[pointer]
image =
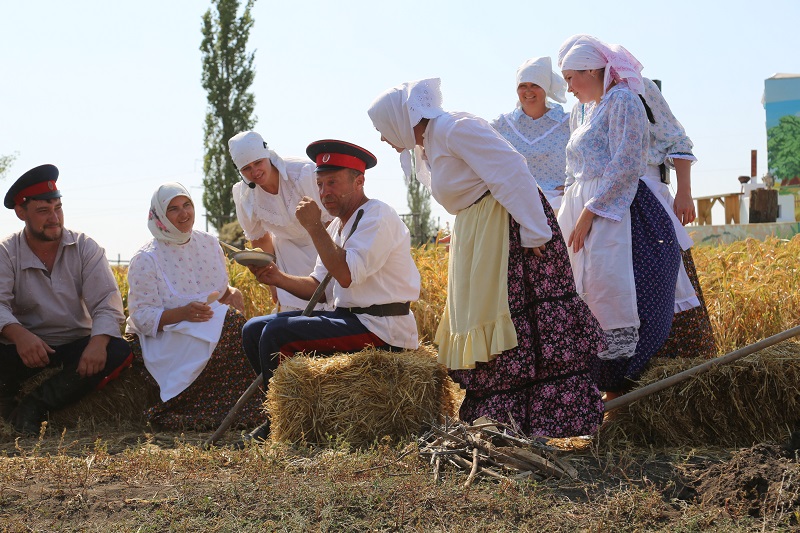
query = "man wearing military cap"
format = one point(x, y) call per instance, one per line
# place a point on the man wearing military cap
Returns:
point(59, 305)
point(366, 250)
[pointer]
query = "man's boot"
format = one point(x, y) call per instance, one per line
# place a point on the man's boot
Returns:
point(64, 388)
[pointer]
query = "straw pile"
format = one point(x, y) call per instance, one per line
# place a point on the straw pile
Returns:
point(121, 404)
point(754, 399)
point(359, 398)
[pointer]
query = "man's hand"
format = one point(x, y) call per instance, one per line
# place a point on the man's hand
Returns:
point(308, 212)
point(31, 349)
point(93, 358)
point(268, 275)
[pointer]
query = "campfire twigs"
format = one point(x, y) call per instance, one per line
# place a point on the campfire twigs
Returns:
point(490, 449)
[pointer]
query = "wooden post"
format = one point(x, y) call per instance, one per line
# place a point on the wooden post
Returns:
point(731, 203)
point(703, 211)
point(763, 205)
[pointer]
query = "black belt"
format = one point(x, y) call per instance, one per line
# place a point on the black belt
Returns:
point(392, 309)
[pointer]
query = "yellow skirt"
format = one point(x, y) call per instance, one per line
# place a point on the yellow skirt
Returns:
point(476, 324)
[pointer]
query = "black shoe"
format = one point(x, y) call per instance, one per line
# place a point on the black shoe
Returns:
point(28, 416)
point(257, 436)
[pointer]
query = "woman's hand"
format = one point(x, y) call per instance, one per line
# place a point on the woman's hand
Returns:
point(583, 226)
point(196, 312)
point(537, 251)
point(234, 298)
point(684, 207)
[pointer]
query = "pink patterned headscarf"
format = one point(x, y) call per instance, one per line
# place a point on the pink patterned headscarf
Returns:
point(584, 52)
point(158, 223)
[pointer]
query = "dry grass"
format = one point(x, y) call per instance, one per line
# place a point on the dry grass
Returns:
point(103, 474)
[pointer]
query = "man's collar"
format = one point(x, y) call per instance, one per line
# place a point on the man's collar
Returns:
point(28, 259)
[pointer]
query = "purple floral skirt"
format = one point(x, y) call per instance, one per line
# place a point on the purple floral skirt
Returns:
point(543, 385)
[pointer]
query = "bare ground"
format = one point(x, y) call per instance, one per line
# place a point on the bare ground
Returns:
point(85, 480)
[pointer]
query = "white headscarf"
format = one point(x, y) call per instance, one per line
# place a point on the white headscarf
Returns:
point(157, 221)
point(246, 147)
point(395, 113)
point(539, 71)
point(584, 52)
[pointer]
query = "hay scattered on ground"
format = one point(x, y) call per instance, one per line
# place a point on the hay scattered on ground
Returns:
point(754, 399)
point(359, 398)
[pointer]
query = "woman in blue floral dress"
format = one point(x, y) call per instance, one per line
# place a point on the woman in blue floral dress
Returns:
point(623, 247)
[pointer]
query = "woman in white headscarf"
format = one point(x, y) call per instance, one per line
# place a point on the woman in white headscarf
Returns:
point(514, 333)
point(186, 319)
point(266, 200)
point(538, 127)
point(623, 245)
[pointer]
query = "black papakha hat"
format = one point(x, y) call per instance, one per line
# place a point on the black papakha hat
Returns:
point(330, 154)
point(38, 183)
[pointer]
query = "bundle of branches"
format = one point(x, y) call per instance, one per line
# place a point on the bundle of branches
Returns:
point(360, 397)
point(754, 399)
point(491, 449)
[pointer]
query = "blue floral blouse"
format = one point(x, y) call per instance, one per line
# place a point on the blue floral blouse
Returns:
point(609, 142)
point(542, 141)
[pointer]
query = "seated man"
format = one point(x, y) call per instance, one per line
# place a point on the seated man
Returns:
point(59, 305)
point(367, 251)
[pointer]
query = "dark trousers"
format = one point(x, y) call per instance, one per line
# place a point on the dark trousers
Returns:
point(266, 338)
point(13, 371)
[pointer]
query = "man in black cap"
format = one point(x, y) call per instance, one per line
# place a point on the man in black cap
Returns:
point(59, 305)
point(365, 252)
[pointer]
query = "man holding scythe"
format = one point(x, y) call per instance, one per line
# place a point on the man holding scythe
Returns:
point(366, 250)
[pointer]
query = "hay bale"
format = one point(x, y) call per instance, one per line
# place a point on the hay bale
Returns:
point(121, 404)
point(359, 397)
point(754, 399)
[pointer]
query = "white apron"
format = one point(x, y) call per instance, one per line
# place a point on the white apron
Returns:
point(177, 355)
point(603, 268)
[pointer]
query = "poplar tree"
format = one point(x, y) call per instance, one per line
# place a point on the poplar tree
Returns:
point(418, 198)
point(5, 163)
point(227, 76)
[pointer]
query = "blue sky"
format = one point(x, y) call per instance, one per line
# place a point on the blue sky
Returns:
point(110, 92)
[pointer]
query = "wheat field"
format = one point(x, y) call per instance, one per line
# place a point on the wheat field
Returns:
point(750, 288)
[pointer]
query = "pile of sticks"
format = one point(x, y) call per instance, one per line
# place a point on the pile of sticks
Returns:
point(491, 449)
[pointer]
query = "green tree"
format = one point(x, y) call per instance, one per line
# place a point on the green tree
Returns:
point(227, 76)
point(783, 148)
point(419, 222)
point(5, 163)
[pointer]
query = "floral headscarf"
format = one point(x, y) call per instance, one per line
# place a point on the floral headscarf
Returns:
point(157, 221)
point(584, 52)
point(395, 113)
